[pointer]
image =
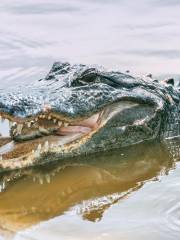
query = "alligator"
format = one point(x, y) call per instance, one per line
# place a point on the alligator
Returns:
point(79, 110)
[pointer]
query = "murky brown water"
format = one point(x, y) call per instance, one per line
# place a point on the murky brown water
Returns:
point(127, 194)
point(132, 194)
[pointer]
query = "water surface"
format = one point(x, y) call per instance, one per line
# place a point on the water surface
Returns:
point(128, 194)
point(142, 36)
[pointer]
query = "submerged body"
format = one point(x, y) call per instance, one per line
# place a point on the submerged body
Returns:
point(79, 110)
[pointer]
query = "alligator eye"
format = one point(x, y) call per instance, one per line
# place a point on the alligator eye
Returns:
point(89, 76)
point(169, 81)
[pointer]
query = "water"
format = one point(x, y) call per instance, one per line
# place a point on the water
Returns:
point(131, 194)
point(141, 36)
point(128, 194)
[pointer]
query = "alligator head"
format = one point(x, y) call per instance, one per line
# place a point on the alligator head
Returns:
point(79, 110)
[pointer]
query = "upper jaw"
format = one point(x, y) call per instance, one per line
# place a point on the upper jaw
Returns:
point(77, 133)
point(47, 124)
point(75, 91)
point(69, 104)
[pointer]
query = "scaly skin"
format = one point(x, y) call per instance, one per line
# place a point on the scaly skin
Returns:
point(78, 110)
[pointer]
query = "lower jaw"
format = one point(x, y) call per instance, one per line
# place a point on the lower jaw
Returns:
point(23, 154)
point(31, 153)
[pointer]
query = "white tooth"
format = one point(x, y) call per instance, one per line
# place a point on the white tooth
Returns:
point(39, 147)
point(54, 120)
point(10, 124)
point(59, 123)
point(66, 124)
point(14, 124)
point(29, 124)
point(46, 146)
point(19, 128)
point(37, 154)
point(38, 151)
point(14, 131)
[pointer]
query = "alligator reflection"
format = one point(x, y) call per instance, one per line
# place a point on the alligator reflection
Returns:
point(92, 184)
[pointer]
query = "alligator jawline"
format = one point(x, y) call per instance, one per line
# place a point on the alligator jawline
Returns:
point(53, 133)
point(64, 137)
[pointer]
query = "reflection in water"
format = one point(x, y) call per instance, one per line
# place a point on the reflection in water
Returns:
point(142, 36)
point(96, 182)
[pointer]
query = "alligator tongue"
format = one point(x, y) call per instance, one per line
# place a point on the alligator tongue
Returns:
point(90, 122)
point(84, 126)
point(73, 129)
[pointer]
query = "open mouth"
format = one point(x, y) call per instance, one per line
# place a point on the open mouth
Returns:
point(28, 139)
point(22, 141)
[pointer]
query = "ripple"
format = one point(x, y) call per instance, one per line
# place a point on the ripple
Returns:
point(173, 217)
point(39, 7)
point(22, 59)
point(163, 53)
